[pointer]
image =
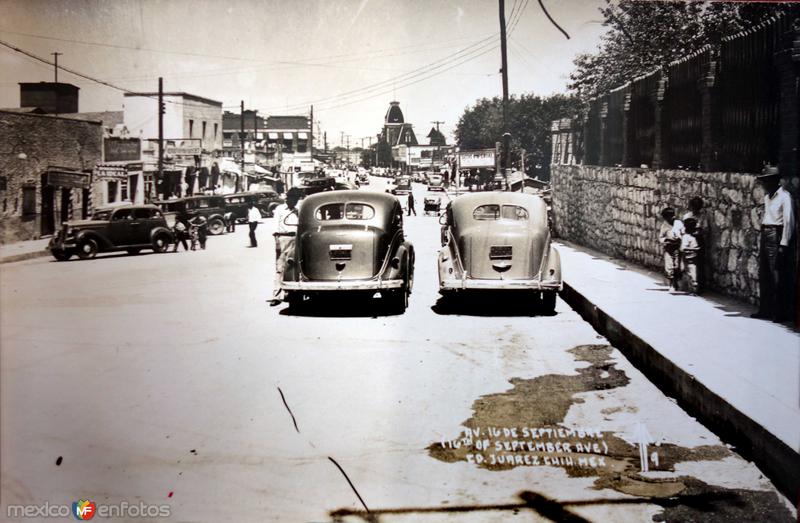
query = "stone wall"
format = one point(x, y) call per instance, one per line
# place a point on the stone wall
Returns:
point(617, 211)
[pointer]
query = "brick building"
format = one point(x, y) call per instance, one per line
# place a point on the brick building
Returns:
point(45, 172)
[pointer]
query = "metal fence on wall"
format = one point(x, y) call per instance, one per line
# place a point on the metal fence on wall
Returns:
point(717, 109)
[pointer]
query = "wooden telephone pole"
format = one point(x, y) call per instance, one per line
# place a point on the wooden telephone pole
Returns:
point(504, 64)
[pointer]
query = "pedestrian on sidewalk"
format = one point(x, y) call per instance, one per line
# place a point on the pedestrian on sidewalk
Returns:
point(230, 221)
point(690, 253)
point(411, 204)
point(670, 237)
point(777, 228)
point(285, 236)
point(702, 235)
point(253, 216)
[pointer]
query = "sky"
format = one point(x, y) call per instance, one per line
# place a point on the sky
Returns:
point(349, 58)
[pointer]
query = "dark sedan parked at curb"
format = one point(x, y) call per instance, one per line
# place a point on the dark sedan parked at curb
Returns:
point(353, 242)
point(210, 207)
point(239, 203)
point(127, 228)
point(500, 241)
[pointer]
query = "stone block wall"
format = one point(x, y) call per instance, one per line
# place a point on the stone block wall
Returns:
point(616, 210)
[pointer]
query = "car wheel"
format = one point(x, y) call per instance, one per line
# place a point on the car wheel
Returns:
point(134, 252)
point(397, 300)
point(548, 302)
point(87, 249)
point(216, 227)
point(61, 255)
point(161, 242)
point(295, 300)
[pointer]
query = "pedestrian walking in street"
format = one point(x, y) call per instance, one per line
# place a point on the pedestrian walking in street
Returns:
point(702, 235)
point(670, 237)
point(411, 204)
point(198, 223)
point(285, 235)
point(180, 233)
point(230, 221)
point(690, 253)
point(253, 216)
point(777, 228)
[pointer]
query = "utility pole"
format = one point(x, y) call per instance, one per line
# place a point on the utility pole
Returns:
point(160, 172)
point(437, 122)
point(311, 136)
point(348, 150)
point(241, 139)
point(504, 65)
point(325, 140)
point(56, 55)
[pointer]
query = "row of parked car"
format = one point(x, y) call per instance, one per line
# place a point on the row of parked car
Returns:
point(133, 228)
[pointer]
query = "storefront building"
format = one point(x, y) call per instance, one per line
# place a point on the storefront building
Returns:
point(46, 164)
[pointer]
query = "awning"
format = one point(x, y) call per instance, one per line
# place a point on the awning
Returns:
point(302, 136)
point(226, 165)
point(273, 136)
point(287, 136)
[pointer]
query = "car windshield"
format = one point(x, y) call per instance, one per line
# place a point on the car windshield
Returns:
point(101, 215)
point(497, 212)
point(349, 211)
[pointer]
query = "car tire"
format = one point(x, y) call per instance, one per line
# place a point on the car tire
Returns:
point(216, 227)
point(549, 302)
point(295, 300)
point(134, 252)
point(87, 249)
point(397, 300)
point(161, 242)
point(61, 255)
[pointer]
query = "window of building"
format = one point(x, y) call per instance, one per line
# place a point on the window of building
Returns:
point(203, 136)
point(191, 128)
point(216, 129)
point(28, 201)
point(123, 190)
point(112, 191)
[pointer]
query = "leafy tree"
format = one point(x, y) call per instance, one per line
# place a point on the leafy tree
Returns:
point(529, 120)
point(384, 153)
point(642, 36)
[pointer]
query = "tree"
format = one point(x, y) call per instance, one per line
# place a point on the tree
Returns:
point(643, 36)
point(384, 153)
point(529, 120)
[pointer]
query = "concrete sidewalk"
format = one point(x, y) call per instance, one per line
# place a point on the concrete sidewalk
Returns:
point(18, 251)
point(739, 375)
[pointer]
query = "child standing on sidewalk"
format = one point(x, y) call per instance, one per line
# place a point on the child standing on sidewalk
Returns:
point(690, 253)
point(670, 237)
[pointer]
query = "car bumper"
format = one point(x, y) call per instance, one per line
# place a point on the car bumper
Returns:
point(475, 284)
point(57, 244)
point(348, 285)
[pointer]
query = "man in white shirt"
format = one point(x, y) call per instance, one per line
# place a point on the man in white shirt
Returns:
point(285, 233)
point(253, 216)
point(777, 228)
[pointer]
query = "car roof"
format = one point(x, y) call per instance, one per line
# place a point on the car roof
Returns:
point(124, 205)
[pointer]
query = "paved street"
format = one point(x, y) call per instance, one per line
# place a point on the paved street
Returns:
point(167, 378)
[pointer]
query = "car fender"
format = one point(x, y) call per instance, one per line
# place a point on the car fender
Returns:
point(553, 262)
point(158, 230)
point(102, 241)
point(404, 252)
point(449, 261)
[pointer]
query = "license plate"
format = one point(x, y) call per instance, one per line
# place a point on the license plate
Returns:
point(500, 252)
point(341, 251)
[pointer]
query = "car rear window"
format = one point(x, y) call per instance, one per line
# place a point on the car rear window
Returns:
point(350, 211)
point(497, 212)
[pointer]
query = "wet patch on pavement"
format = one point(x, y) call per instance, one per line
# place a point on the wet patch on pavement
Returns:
point(523, 426)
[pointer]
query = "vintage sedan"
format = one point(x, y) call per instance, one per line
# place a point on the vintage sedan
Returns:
point(210, 207)
point(499, 240)
point(117, 228)
point(239, 203)
point(350, 241)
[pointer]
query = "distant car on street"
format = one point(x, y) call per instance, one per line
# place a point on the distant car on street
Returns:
point(350, 242)
point(120, 228)
point(363, 178)
point(402, 186)
point(501, 241)
point(239, 203)
point(210, 207)
point(436, 182)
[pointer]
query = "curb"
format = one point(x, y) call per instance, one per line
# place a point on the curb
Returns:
point(24, 256)
point(780, 463)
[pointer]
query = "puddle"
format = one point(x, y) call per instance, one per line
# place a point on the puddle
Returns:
point(523, 427)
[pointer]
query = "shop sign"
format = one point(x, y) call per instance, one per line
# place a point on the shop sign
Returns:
point(479, 158)
point(134, 167)
point(122, 149)
point(64, 179)
point(110, 172)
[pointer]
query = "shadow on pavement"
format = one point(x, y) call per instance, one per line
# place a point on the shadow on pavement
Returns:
point(339, 306)
point(491, 303)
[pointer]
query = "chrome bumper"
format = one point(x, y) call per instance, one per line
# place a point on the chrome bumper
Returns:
point(347, 285)
point(470, 283)
point(59, 244)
